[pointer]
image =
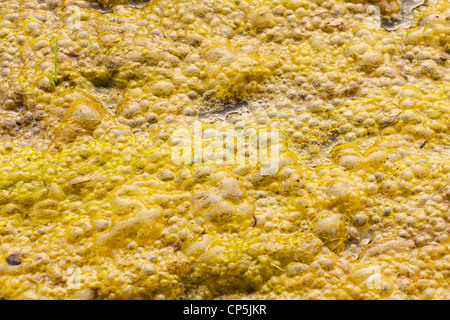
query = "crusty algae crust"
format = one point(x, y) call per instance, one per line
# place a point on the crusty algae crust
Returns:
point(96, 208)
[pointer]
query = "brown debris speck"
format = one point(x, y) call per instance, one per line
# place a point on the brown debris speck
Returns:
point(13, 260)
point(423, 143)
point(254, 220)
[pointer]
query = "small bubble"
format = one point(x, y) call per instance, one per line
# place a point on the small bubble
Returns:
point(219, 123)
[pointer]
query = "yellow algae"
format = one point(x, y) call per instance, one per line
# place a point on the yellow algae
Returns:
point(313, 150)
point(142, 228)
